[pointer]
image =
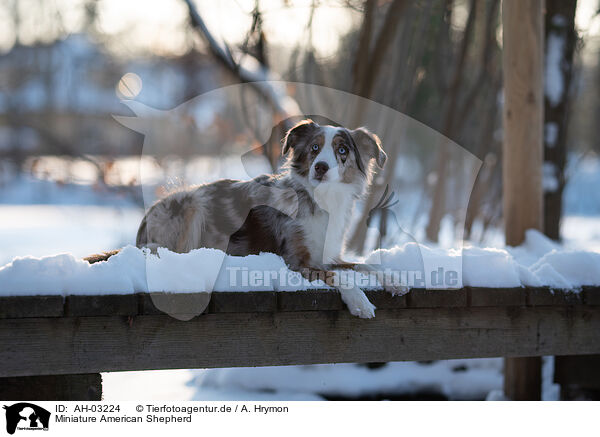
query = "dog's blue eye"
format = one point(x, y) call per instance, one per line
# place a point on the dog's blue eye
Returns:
point(315, 147)
point(342, 150)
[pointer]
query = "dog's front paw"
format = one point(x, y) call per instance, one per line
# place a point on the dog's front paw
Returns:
point(396, 290)
point(358, 303)
point(392, 287)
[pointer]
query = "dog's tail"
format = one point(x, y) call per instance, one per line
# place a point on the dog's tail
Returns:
point(104, 256)
point(141, 240)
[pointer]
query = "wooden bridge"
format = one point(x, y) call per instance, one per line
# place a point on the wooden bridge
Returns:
point(79, 336)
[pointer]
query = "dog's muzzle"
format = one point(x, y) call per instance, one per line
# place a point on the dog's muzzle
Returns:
point(321, 169)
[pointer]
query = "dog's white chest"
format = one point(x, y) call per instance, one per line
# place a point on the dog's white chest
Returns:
point(325, 230)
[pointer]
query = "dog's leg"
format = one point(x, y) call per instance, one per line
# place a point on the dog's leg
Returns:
point(355, 299)
point(388, 284)
point(298, 259)
point(185, 242)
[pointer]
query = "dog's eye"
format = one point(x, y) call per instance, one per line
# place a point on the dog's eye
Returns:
point(315, 147)
point(342, 150)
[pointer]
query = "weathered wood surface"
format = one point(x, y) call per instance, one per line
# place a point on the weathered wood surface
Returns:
point(86, 387)
point(522, 153)
point(92, 334)
point(16, 307)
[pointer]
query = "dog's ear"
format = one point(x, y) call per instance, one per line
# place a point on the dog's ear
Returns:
point(295, 134)
point(370, 143)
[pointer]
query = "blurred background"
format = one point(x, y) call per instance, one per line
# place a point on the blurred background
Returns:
point(71, 175)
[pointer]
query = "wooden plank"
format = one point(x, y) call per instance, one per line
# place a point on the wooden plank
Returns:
point(31, 306)
point(102, 305)
point(310, 300)
point(422, 298)
point(591, 295)
point(82, 387)
point(250, 302)
point(182, 306)
point(66, 345)
point(497, 297)
point(385, 300)
point(547, 297)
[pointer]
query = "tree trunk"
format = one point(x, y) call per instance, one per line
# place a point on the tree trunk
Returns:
point(449, 129)
point(522, 154)
point(561, 38)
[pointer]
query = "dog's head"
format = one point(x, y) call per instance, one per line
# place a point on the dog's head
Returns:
point(332, 154)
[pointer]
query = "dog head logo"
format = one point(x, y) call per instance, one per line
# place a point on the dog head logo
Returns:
point(26, 416)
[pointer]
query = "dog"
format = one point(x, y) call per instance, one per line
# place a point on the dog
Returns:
point(300, 213)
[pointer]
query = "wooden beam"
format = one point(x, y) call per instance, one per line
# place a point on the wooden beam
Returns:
point(67, 345)
point(86, 387)
point(578, 376)
point(522, 61)
point(143, 304)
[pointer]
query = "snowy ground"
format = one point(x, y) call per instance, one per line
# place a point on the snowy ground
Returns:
point(45, 219)
point(81, 230)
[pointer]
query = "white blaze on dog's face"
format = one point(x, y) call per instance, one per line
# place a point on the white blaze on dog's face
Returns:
point(332, 154)
point(325, 166)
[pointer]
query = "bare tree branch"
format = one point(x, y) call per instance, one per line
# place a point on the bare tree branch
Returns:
point(364, 43)
point(486, 57)
point(259, 77)
point(385, 38)
point(438, 204)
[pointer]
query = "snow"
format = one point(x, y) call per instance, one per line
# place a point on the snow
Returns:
point(38, 230)
point(66, 274)
point(538, 262)
point(559, 20)
point(27, 190)
point(157, 385)
point(581, 195)
point(568, 269)
point(135, 270)
point(549, 177)
point(455, 379)
point(461, 379)
point(551, 133)
point(489, 267)
point(553, 80)
point(581, 232)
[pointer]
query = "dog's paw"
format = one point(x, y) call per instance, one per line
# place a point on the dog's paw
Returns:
point(396, 290)
point(391, 286)
point(358, 304)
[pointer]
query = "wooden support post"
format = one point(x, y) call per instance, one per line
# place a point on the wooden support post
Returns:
point(83, 387)
point(522, 63)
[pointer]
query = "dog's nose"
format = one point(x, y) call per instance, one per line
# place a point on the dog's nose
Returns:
point(321, 168)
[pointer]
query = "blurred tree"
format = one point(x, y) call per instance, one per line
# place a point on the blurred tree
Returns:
point(255, 72)
point(561, 40)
